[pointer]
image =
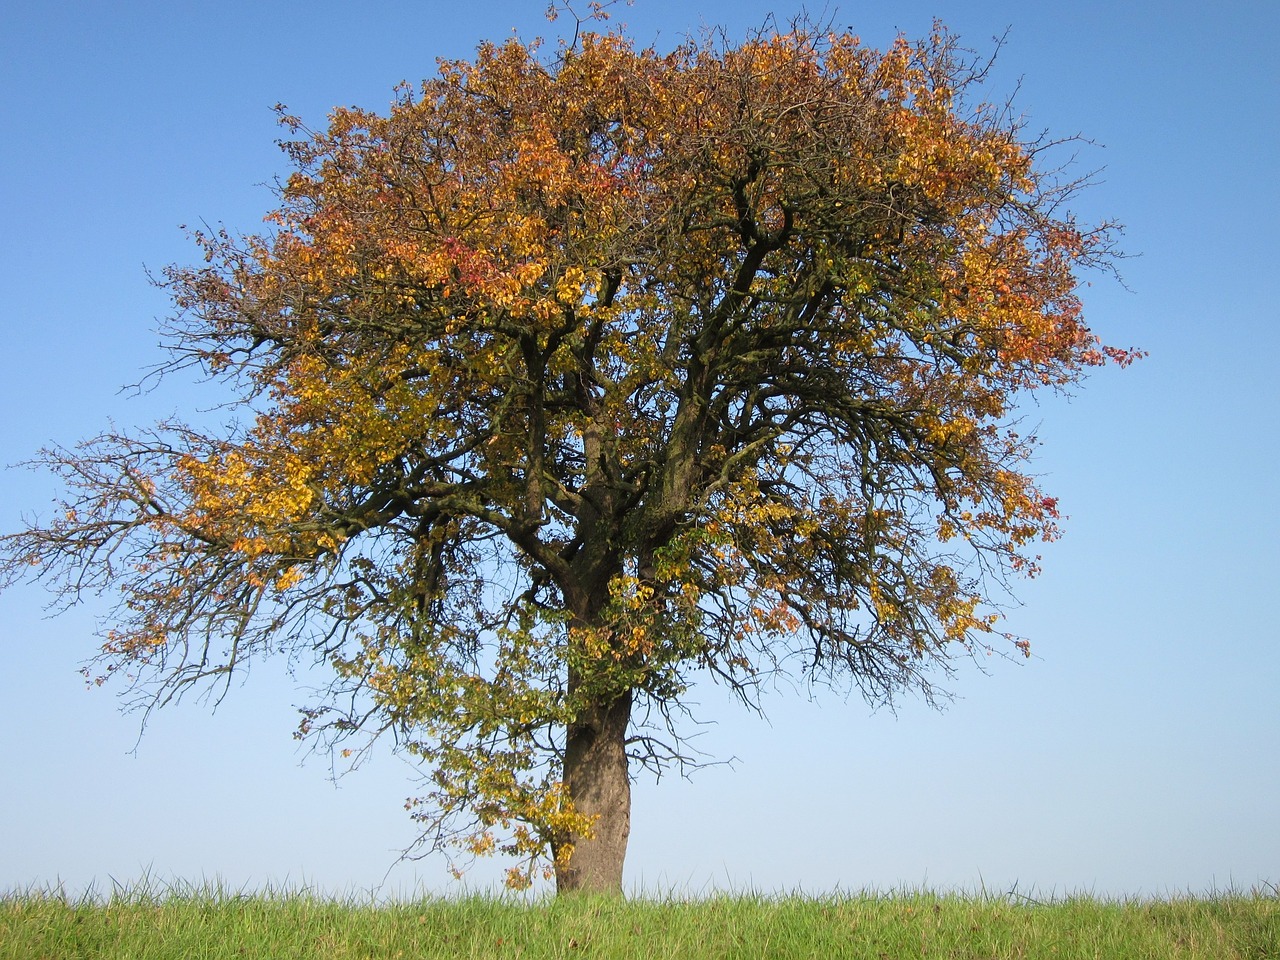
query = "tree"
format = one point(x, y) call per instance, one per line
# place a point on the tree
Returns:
point(575, 378)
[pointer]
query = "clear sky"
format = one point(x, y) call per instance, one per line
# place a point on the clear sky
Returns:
point(1135, 753)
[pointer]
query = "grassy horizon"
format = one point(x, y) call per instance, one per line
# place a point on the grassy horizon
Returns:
point(182, 921)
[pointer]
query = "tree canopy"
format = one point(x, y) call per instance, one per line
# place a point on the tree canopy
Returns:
point(577, 377)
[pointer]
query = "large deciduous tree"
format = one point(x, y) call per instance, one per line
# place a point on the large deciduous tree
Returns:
point(576, 377)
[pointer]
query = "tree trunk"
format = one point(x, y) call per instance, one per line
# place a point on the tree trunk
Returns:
point(595, 772)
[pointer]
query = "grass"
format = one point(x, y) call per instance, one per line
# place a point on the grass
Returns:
point(210, 924)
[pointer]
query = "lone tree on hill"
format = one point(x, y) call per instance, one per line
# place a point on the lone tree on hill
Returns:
point(576, 377)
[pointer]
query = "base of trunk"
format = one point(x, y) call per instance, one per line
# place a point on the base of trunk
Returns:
point(595, 772)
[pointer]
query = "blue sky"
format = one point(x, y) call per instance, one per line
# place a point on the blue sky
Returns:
point(1134, 754)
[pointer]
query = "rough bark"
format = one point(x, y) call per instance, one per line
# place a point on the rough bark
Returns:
point(595, 770)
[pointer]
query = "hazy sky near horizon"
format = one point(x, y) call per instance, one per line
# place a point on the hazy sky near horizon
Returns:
point(1135, 753)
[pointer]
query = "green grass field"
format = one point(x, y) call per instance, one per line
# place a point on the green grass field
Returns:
point(206, 924)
